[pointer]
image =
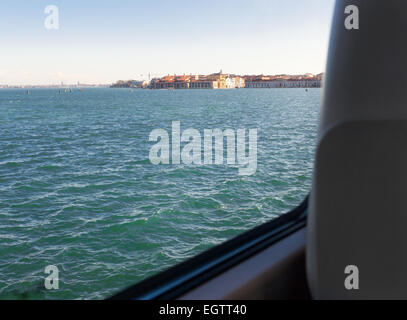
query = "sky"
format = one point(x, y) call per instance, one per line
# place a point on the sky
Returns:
point(102, 41)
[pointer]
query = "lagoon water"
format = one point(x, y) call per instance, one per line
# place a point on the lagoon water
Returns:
point(77, 189)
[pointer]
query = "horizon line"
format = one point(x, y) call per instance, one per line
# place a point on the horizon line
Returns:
point(79, 83)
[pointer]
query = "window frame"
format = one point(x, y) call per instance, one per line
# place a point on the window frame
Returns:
point(179, 279)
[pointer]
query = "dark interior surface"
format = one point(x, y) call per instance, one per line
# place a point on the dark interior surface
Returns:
point(277, 272)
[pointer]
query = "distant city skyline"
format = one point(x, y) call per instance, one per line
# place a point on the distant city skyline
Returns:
point(100, 42)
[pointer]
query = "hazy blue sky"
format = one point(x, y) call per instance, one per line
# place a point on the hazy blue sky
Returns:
point(103, 41)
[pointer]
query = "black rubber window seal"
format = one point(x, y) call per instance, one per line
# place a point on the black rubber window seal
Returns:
point(186, 275)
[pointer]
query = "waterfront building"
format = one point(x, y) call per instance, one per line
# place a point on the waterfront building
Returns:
point(213, 81)
point(221, 80)
point(284, 81)
point(204, 84)
point(171, 82)
point(234, 82)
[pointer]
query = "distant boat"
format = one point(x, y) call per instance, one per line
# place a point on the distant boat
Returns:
point(28, 92)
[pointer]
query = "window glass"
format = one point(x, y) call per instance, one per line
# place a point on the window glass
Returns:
point(135, 135)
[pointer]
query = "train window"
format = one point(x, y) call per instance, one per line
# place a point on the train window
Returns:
point(136, 135)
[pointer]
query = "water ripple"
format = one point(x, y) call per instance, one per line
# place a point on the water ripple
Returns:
point(77, 189)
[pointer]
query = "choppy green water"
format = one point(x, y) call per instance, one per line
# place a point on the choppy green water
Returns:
point(77, 189)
